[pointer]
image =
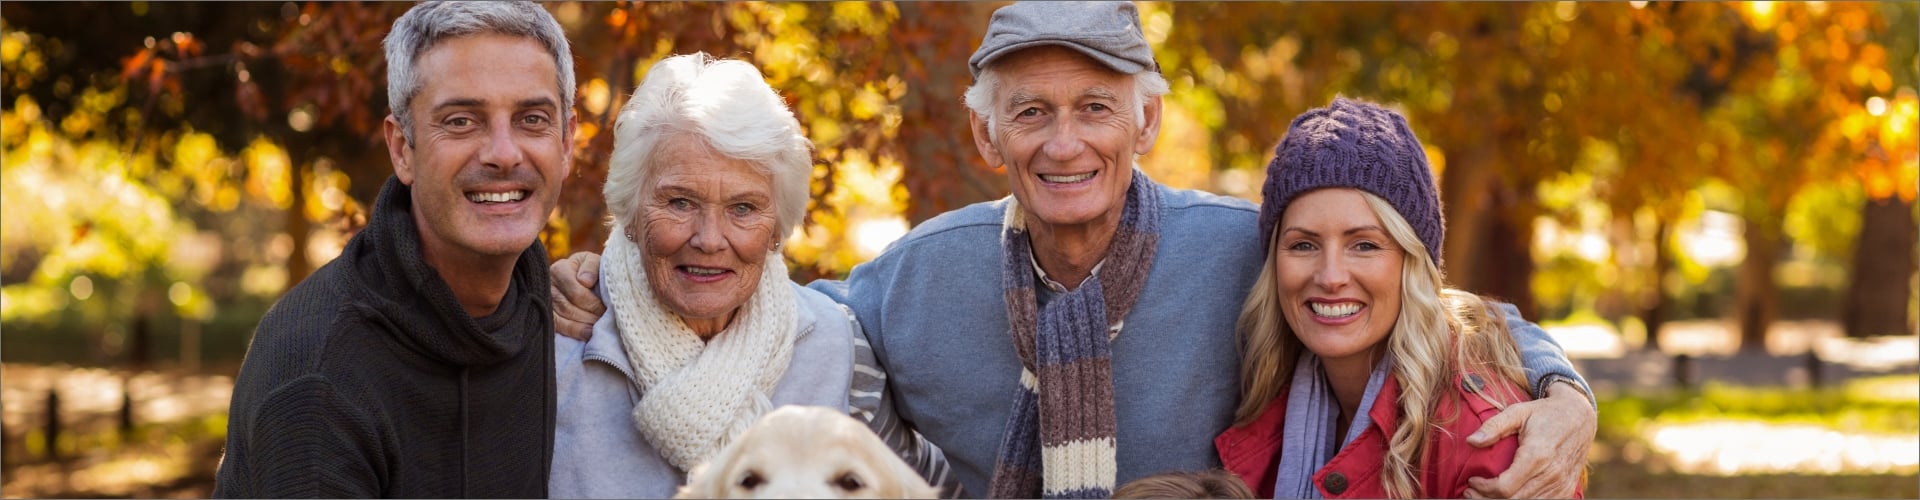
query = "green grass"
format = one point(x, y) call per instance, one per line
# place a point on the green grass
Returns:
point(1881, 405)
point(1619, 479)
point(1875, 406)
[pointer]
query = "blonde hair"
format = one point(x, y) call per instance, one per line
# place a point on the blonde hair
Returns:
point(1432, 318)
point(1214, 483)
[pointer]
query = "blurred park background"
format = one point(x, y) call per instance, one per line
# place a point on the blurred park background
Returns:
point(1710, 204)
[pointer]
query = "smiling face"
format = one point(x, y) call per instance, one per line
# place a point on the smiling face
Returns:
point(1064, 126)
point(488, 152)
point(1338, 274)
point(706, 228)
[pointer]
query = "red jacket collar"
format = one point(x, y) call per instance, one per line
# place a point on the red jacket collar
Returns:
point(1252, 451)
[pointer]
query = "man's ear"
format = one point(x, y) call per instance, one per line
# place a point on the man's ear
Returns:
point(983, 138)
point(398, 149)
point(572, 131)
point(1150, 130)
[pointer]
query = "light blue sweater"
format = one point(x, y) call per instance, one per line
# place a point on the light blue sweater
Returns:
point(932, 305)
point(597, 451)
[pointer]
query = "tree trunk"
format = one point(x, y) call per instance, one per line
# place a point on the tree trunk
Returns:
point(942, 169)
point(298, 228)
point(1465, 201)
point(1655, 313)
point(1506, 255)
point(1883, 266)
point(1757, 297)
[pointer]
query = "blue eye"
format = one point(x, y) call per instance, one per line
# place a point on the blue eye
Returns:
point(680, 204)
point(742, 209)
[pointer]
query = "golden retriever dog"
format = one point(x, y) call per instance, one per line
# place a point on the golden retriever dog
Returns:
point(806, 452)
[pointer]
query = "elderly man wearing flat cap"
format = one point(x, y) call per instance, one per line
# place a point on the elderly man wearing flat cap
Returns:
point(1080, 333)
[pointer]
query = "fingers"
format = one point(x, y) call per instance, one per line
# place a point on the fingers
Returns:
point(575, 306)
point(589, 264)
point(1480, 487)
point(1554, 435)
point(1568, 422)
point(1504, 424)
point(578, 292)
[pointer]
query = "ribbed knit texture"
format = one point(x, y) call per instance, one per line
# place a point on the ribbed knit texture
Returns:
point(1360, 145)
point(1060, 436)
point(697, 395)
point(1310, 432)
point(368, 379)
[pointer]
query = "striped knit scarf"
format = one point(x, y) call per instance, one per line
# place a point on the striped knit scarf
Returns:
point(1060, 438)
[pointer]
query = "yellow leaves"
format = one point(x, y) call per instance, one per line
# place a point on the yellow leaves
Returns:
point(90, 219)
point(857, 219)
point(866, 103)
point(1566, 11)
point(1155, 22)
point(327, 194)
point(1442, 45)
point(860, 17)
point(583, 136)
point(12, 45)
point(1761, 15)
point(596, 96)
point(270, 173)
point(554, 235)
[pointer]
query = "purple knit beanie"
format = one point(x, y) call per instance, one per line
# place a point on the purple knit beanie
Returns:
point(1357, 145)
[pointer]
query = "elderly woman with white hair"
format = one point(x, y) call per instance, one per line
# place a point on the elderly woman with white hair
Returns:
point(704, 332)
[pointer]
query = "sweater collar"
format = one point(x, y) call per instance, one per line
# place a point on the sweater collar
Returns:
point(393, 278)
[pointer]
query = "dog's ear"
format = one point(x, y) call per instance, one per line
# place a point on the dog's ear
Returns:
point(708, 480)
point(699, 484)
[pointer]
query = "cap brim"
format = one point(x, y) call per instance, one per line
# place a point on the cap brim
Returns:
point(1115, 63)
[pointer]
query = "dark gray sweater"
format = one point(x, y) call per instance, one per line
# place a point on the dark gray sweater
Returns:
point(368, 379)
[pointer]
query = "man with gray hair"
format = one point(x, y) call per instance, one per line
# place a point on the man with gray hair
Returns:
point(1080, 333)
point(419, 363)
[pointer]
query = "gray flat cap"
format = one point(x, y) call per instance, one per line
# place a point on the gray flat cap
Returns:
point(1108, 32)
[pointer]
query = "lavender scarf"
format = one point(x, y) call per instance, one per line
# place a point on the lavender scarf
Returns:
point(1060, 439)
point(1308, 432)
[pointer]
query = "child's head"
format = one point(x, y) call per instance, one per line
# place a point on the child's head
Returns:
point(1209, 484)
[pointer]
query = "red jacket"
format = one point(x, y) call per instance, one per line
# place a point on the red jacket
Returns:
point(1253, 451)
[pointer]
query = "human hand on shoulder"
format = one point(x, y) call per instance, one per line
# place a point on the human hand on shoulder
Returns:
point(575, 306)
point(1554, 436)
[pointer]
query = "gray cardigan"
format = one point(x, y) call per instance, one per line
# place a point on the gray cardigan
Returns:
point(933, 306)
point(598, 453)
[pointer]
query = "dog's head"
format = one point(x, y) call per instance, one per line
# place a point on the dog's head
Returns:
point(805, 452)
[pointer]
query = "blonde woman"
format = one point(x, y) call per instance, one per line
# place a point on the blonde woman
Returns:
point(1362, 374)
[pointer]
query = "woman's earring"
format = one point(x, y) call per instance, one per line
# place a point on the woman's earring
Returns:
point(630, 236)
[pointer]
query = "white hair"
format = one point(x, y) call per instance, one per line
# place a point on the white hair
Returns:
point(724, 103)
point(979, 97)
point(429, 23)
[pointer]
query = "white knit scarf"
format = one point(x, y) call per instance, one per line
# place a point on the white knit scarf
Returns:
point(696, 396)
